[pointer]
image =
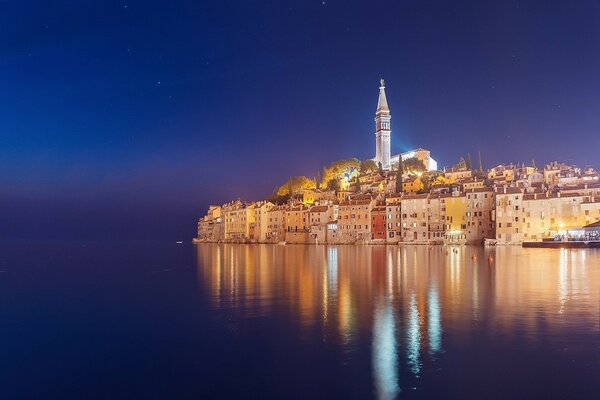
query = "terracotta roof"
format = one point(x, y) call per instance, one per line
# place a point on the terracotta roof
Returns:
point(593, 225)
point(415, 196)
point(355, 203)
point(479, 190)
point(316, 209)
point(362, 197)
point(509, 190)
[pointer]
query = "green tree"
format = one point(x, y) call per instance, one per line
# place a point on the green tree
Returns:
point(413, 165)
point(380, 168)
point(333, 184)
point(368, 166)
point(339, 169)
point(399, 173)
point(357, 185)
point(426, 180)
point(295, 184)
point(468, 162)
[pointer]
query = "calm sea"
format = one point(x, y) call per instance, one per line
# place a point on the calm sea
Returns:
point(161, 320)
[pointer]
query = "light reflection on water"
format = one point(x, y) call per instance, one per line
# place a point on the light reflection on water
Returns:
point(413, 306)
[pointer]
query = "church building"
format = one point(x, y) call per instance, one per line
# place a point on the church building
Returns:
point(383, 131)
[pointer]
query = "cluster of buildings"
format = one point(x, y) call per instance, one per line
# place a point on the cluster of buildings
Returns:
point(507, 204)
point(464, 211)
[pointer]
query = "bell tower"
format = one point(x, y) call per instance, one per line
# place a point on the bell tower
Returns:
point(382, 129)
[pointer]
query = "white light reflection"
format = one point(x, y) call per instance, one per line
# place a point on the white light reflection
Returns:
point(435, 323)
point(413, 336)
point(385, 357)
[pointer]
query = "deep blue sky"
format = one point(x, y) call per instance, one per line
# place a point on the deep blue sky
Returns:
point(127, 118)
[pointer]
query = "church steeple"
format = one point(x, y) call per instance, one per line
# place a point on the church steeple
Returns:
point(382, 104)
point(383, 129)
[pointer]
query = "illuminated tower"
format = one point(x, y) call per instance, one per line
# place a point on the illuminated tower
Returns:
point(382, 129)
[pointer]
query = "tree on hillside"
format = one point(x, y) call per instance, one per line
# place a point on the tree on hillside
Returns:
point(413, 165)
point(294, 185)
point(380, 168)
point(357, 185)
point(399, 173)
point(468, 162)
point(368, 166)
point(426, 180)
point(479, 161)
point(339, 169)
point(333, 184)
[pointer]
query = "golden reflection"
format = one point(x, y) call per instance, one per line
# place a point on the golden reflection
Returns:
point(406, 300)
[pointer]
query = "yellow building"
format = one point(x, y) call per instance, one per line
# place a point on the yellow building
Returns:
point(458, 175)
point(455, 208)
point(550, 214)
point(412, 184)
point(237, 220)
point(261, 218)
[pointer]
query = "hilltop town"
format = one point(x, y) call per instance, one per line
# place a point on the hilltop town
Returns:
point(404, 198)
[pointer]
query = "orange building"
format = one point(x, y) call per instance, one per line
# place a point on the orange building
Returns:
point(378, 220)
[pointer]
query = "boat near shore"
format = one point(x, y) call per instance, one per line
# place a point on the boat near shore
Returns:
point(564, 244)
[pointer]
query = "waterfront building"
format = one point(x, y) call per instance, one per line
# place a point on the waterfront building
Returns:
point(238, 219)
point(393, 204)
point(509, 204)
point(480, 207)
point(549, 214)
point(296, 224)
point(455, 206)
point(436, 218)
point(590, 208)
point(260, 225)
point(276, 227)
point(354, 220)
point(210, 227)
point(318, 217)
point(414, 218)
point(378, 223)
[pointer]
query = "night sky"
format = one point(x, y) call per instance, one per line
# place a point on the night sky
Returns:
point(126, 119)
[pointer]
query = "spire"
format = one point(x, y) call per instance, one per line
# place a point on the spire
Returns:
point(382, 104)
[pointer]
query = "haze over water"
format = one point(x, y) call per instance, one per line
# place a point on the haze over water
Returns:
point(149, 320)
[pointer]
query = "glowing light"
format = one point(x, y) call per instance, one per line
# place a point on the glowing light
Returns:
point(413, 336)
point(385, 357)
point(435, 321)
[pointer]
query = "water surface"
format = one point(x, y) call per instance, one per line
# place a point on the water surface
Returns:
point(160, 320)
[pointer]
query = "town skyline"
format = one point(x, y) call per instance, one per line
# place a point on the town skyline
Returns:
point(161, 111)
point(406, 199)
